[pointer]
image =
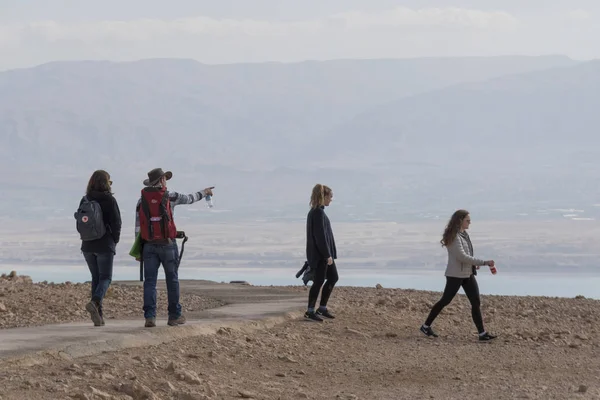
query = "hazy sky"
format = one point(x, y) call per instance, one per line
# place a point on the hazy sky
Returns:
point(223, 31)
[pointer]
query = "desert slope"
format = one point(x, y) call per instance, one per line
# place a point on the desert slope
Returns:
point(547, 349)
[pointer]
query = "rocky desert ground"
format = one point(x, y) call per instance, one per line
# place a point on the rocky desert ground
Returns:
point(548, 348)
point(23, 303)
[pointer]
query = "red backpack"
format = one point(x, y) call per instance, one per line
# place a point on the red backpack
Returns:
point(156, 218)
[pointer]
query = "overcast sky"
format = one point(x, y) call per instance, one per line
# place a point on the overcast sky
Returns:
point(224, 31)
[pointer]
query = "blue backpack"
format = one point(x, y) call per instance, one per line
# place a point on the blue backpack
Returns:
point(90, 222)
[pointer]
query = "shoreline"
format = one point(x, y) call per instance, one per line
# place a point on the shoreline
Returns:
point(549, 285)
point(525, 284)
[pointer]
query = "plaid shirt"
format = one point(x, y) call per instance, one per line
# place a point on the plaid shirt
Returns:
point(175, 199)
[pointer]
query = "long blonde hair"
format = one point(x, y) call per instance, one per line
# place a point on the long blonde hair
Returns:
point(319, 192)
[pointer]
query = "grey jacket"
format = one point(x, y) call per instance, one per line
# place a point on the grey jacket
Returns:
point(460, 259)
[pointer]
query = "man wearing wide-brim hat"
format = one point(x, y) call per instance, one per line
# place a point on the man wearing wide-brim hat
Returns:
point(156, 175)
point(163, 252)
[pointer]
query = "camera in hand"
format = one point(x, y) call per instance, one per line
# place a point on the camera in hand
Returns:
point(180, 235)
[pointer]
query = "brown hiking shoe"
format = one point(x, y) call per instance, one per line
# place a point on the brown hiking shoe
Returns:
point(150, 323)
point(92, 308)
point(176, 321)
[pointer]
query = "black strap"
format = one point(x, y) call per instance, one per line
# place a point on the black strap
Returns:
point(141, 270)
point(146, 211)
point(163, 204)
point(465, 235)
point(185, 239)
point(164, 214)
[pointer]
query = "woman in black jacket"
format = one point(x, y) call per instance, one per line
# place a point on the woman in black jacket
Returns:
point(320, 252)
point(99, 253)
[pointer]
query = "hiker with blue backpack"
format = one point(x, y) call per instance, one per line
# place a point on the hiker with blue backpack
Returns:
point(99, 225)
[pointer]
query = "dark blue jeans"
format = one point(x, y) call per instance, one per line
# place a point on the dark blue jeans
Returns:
point(101, 267)
point(154, 255)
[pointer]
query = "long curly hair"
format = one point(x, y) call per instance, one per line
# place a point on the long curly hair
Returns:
point(453, 227)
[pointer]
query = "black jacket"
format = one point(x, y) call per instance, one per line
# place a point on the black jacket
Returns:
point(320, 244)
point(112, 219)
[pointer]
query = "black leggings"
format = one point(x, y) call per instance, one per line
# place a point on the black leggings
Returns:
point(471, 290)
point(323, 272)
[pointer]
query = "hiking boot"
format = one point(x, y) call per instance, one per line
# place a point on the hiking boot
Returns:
point(312, 316)
point(325, 313)
point(428, 331)
point(150, 323)
point(486, 337)
point(92, 308)
point(101, 315)
point(176, 321)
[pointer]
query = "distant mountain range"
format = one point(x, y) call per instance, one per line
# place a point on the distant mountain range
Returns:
point(518, 115)
point(428, 131)
point(247, 115)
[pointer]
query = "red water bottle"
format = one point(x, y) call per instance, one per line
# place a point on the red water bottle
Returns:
point(493, 270)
